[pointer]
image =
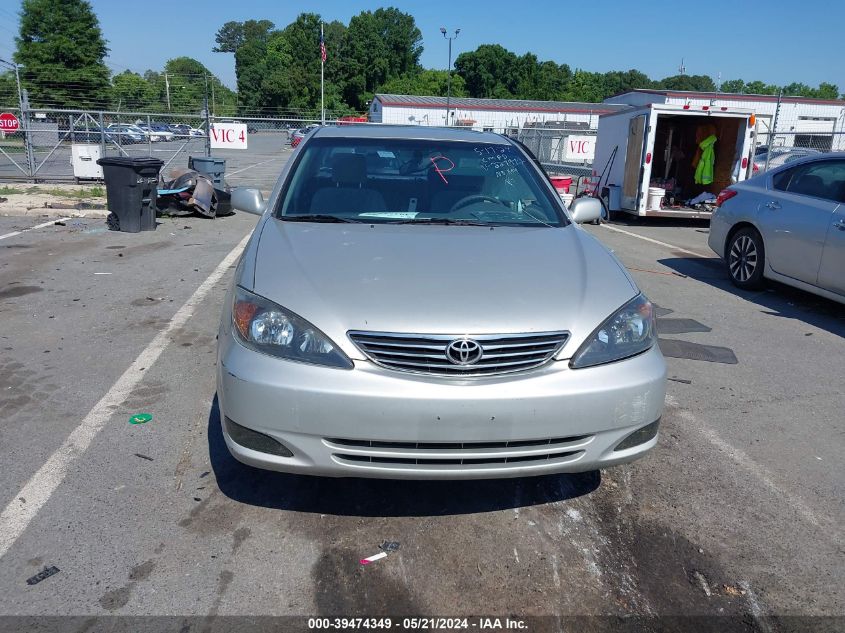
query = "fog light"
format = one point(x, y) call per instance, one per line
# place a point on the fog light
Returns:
point(640, 436)
point(255, 441)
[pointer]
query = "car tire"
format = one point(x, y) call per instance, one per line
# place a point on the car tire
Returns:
point(745, 257)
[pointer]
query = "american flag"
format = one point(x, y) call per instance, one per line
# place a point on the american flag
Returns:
point(322, 46)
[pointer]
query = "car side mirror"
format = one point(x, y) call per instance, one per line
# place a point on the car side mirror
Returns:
point(248, 200)
point(585, 210)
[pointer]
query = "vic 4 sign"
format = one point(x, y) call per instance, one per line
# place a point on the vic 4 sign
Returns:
point(9, 122)
point(228, 136)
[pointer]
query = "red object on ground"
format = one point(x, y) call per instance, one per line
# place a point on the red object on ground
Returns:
point(9, 122)
point(561, 183)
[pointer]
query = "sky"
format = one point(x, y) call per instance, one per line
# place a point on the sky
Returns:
point(720, 36)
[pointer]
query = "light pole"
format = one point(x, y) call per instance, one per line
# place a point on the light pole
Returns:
point(449, 71)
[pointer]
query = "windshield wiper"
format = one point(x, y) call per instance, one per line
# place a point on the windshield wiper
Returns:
point(318, 217)
point(449, 221)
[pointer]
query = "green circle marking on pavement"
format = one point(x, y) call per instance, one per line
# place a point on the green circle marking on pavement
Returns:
point(140, 418)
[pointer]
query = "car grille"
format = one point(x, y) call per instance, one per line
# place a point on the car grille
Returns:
point(455, 461)
point(458, 455)
point(426, 353)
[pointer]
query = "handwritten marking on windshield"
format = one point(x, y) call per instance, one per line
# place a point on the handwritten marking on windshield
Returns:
point(500, 160)
point(438, 169)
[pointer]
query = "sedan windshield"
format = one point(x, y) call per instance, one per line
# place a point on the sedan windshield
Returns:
point(418, 182)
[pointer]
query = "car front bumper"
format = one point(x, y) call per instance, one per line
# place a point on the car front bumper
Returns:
point(374, 422)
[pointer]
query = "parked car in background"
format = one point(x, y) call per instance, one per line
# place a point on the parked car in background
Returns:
point(126, 134)
point(88, 134)
point(195, 132)
point(155, 133)
point(436, 319)
point(788, 225)
point(298, 135)
point(180, 130)
point(251, 126)
point(149, 132)
point(778, 156)
point(163, 131)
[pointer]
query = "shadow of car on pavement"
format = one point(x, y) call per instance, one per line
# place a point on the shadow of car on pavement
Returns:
point(382, 497)
point(775, 299)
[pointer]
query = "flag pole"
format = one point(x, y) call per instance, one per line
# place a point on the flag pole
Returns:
point(322, 77)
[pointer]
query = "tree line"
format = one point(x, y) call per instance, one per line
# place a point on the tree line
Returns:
point(62, 51)
point(379, 51)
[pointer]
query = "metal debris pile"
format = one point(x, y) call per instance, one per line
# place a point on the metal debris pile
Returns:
point(188, 192)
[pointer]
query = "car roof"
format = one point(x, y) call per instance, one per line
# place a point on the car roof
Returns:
point(807, 158)
point(818, 156)
point(416, 132)
point(796, 150)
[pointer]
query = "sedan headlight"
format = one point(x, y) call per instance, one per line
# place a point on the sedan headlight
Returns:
point(628, 332)
point(265, 327)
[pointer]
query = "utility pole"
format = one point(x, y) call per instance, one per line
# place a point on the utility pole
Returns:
point(771, 140)
point(30, 152)
point(207, 121)
point(322, 76)
point(167, 89)
point(449, 71)
point(213, 103)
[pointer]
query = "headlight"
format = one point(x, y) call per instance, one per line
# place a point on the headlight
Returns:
point(265, 327)
point(628, 332)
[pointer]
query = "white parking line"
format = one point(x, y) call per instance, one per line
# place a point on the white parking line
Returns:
point(37, 491)
point(653, 241)
point(32, 228)
point(237, 171)
point(761, 473)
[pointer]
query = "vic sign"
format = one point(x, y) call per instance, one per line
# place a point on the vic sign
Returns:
point(228, 136)
point(9, 122)
point(579, 148)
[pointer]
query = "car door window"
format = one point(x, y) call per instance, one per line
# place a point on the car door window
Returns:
point(824, 179)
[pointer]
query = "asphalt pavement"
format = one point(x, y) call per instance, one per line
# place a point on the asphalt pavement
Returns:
point(736, 517)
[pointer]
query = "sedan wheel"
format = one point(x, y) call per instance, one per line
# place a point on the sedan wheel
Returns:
point(746, 256)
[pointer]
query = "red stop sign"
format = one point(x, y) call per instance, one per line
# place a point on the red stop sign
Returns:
point(9, 122)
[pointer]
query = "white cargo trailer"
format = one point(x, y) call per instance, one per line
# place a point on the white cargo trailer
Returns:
point(652, 172)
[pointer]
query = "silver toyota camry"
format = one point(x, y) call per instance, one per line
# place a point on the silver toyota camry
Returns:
point(418, 303)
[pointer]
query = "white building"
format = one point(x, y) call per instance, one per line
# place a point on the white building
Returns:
point(485, 114)
point(802, 122)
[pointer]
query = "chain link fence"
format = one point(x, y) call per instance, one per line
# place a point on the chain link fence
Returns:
point(786, 138)
point(64, 145)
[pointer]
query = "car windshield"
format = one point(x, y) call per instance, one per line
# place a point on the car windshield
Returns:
point(418, 181)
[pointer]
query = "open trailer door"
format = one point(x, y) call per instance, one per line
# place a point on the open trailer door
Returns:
point(634, 162)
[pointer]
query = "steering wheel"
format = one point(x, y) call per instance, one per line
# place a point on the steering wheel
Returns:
point(476, 197)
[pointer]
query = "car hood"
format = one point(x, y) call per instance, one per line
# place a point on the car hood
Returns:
point(439, 279)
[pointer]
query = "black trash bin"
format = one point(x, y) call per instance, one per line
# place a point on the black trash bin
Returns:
point(212, 167)
point(131, 189)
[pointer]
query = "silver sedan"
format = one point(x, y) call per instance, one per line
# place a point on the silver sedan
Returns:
point(787, 225)
point(418, 303)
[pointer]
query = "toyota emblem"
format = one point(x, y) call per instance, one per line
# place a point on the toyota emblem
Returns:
point(464, 352)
